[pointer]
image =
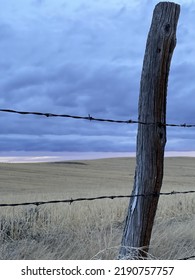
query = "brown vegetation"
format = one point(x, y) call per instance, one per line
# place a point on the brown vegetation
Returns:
point(90, 230)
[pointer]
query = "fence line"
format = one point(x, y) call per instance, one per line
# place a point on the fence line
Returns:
point(70, 201)
point(90, 118)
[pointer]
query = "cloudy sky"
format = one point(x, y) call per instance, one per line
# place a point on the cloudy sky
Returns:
point(85, 57)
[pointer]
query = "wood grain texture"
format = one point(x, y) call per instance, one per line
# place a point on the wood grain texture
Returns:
point(151, 139)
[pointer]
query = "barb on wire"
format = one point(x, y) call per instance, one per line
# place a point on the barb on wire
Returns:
point(70, 201)
point(90, 118)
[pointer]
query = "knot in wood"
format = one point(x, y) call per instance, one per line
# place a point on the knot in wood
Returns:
point(167, 27)
point(158, 50)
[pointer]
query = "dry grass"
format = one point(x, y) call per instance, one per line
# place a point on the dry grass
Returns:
point(90, 230)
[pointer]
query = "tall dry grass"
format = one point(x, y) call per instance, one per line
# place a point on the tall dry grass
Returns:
point(93, 230)
point(90, 230)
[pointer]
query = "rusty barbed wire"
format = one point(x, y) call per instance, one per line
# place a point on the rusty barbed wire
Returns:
point(70, 201)
point(90, 118)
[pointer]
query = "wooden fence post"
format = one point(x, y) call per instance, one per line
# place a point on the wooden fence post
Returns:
point(151, 138)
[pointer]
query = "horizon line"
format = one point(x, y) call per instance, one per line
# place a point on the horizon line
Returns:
point(25, 157)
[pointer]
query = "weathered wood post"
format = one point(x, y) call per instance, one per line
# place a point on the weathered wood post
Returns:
point(151, 138)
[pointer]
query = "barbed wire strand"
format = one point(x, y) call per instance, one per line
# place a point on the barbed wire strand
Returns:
point(188, 258)
point(70, 201)
point(37, 203)
point(90, 118)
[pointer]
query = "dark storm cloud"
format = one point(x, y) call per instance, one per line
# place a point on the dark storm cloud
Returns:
point(85, 57)
point(181, 93)
point(23, 79)
point(69, 143)
point(106, 89)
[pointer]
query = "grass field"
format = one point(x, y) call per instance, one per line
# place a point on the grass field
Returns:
point(90, 230)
